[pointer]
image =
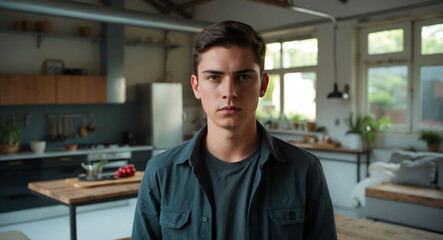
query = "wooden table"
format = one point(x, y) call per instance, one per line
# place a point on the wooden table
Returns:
point(321, 147)
point(350, 228)
point(64, 193)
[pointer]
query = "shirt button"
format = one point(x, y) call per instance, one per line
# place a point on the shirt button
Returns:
point(204, 219)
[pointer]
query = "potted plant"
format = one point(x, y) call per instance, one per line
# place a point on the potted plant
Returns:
point(431, 138)
point(362, 129)
point(295, 118)
point(9, 136)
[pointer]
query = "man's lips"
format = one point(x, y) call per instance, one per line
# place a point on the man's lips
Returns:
point(229, 109)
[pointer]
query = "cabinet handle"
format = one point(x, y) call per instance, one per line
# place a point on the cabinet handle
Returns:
point(64, 159)
point(15, 163)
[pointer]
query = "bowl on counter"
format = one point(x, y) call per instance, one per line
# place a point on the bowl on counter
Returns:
point(70, 147)
point(37, 146)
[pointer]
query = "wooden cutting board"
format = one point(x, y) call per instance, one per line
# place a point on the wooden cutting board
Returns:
point(75, 182)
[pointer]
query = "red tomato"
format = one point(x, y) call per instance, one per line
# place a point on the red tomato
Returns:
point(123, 172)
point(118, 174)
point(130, 166)
point(130, 171)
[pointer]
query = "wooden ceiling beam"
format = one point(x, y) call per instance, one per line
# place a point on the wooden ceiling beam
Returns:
point(172, 5)
point(157, 6)
point(189, 4)
point(274, 2)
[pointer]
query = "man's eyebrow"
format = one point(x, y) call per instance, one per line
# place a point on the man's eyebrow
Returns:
point(213, 71)
point(244, 71)
point(247, 70)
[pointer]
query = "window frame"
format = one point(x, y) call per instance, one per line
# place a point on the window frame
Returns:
point(411, 58)
point(282, 71)
point(423, 61)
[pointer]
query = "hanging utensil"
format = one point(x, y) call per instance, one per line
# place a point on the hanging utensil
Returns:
point(83, 128)
point(65, 126)
point(61, 137)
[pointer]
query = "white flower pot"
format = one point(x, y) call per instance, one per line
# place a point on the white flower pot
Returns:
point(354, 141)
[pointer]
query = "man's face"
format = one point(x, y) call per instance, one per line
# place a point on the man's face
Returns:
point(229, 85)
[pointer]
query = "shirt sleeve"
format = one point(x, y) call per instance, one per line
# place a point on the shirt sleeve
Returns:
point(146, 218)
point(319, 216)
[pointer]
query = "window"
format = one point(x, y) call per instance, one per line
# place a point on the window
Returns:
point(291, 66)
point(401, 68)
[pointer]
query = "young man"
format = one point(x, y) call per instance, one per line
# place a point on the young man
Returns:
point(233, 180)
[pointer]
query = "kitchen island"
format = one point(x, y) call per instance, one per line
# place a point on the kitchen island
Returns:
point(63, 192)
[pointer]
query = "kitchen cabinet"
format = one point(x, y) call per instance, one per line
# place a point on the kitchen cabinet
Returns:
point(27, 89)
point(80, 89)
point(18, 89)
point(15, 176)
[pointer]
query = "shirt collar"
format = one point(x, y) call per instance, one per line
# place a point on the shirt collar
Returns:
point(191, 152)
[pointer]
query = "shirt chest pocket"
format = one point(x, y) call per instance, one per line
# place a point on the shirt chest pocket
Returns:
point(173, 223)
point(287, 222)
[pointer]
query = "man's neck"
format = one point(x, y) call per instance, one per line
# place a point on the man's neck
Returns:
point(232, 145)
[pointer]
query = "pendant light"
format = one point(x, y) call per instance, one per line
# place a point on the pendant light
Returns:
point(336, 93)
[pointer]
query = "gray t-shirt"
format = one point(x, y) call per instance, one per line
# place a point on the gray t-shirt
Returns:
point(231, 186)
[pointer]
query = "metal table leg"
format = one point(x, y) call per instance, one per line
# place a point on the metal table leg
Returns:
point(73, 222)
point(358, 167)
point(368, 161)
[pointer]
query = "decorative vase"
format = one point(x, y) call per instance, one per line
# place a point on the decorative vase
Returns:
point(8, 148)
point(355, 141)
point(85, 31)
point(433, 147)
point(26, 25)
point(310, 126)
point(44, 27)
point(17, 25)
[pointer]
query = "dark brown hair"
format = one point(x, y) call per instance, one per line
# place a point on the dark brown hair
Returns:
point(227, 34)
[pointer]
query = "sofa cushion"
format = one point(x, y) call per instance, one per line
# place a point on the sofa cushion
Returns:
point(398, 156)
point(421, 172)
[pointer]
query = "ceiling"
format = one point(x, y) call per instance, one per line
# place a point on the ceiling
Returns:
point(268, 16)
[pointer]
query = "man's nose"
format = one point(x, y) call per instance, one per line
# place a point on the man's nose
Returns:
point(229, 88)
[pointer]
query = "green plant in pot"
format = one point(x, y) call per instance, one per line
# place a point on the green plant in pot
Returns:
point(296, 118)
point(363, 129)
point(431, 138)
point(9, 136)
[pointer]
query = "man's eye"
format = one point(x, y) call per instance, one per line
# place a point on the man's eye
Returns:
point(213, 78)
point(244, 77)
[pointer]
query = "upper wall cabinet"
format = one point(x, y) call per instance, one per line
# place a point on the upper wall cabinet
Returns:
point(45, 89)
point(27, 89)
point(81, 89)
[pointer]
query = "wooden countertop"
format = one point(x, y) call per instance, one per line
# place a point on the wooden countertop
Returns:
point(66, 193)
point(350, 228)
point(327, 147)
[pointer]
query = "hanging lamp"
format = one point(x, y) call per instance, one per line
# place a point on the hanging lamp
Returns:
point(335, 93)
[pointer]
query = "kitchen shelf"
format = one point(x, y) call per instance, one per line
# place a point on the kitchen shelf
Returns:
point(40, 36)
point(155, 45)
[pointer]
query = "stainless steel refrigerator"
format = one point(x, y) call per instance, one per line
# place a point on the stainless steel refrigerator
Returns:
point(159, 114)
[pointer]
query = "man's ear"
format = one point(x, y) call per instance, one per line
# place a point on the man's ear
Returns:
point(264, 84)
point(195, 89)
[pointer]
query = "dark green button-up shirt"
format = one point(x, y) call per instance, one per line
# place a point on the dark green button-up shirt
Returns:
point(289, 198)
